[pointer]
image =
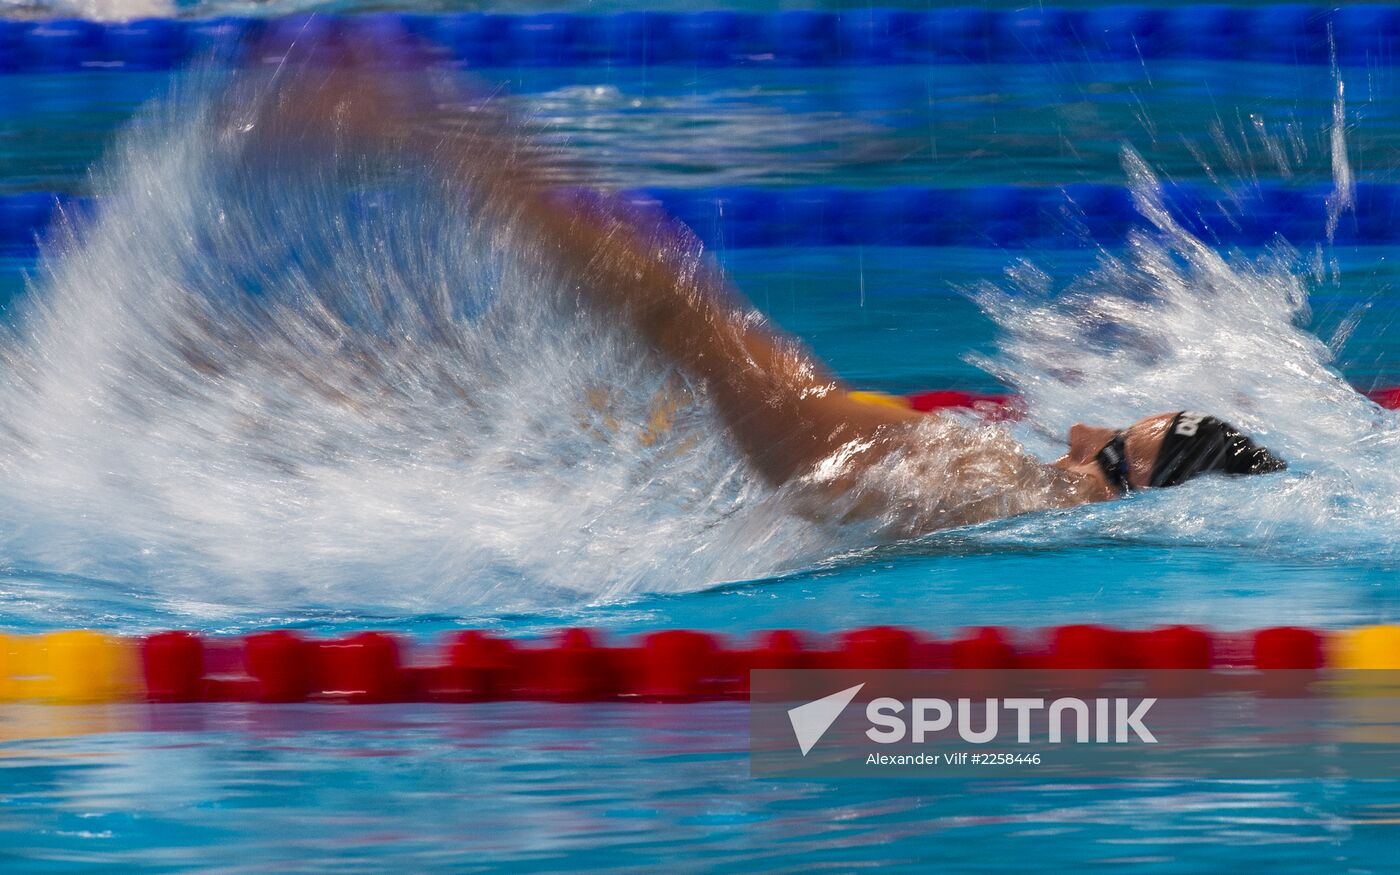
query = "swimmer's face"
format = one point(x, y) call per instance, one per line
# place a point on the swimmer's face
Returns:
point(1141, 440)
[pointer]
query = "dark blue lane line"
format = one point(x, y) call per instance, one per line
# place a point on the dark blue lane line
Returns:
point(997, 216)
point(1281, 33)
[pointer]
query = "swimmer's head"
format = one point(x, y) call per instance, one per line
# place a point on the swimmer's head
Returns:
point(1163, 450)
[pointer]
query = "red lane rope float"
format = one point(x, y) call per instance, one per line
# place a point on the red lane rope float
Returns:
point(1002, 407)
point(578, 665)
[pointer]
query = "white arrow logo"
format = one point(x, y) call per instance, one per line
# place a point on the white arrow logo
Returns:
point(811, 721)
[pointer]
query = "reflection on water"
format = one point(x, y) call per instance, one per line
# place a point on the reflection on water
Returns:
point(236, 789)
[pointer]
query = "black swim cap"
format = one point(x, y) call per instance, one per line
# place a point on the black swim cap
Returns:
point(1199, 444)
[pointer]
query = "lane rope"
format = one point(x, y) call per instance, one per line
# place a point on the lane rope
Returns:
point(581, 665)
point(1000, 406)
point(1279, 33)
point(1078, 215)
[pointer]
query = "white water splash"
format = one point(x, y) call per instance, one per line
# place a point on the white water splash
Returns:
point(1171, 323)
point(93, 10)
point(264, 379)
point(268, 378)
point(1343, 196)
point(305, 378)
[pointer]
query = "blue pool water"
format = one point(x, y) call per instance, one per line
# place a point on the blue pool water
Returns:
point(179, 517)
point(940, 125)
point(551, 788)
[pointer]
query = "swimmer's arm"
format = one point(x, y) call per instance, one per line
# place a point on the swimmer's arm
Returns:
point(783, 406)
point(786, 410)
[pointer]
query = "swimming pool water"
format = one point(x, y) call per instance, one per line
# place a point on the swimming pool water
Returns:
point(893, 320)
point(620, 788)
point(548, 787)
point(964, 124)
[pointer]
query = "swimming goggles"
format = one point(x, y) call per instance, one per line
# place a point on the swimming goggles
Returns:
point(1113, 461)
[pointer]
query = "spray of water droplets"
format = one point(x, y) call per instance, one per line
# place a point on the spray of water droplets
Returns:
point(269, 377)
point(264, 377)
point(1171, 323)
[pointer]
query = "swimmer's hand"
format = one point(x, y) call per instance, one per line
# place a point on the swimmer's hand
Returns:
point(396, 106)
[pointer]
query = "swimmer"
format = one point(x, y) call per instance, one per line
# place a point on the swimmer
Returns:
point(793, 419)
